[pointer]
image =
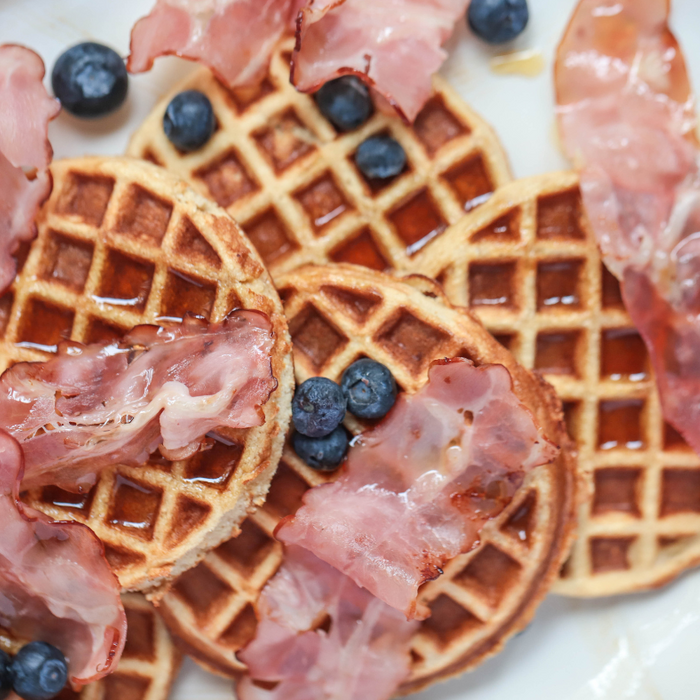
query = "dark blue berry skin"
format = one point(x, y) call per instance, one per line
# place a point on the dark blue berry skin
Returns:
point(318, 407)
point(189, 120)
point(90, 80)
point(5, 675)
point(380, 157)
point(497, 21)
point(40, 671)
point(370, 389)
point(325, 453)
point(345, 102)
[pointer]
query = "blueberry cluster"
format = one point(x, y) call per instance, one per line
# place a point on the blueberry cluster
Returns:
point(38, 672)
point(367, 389)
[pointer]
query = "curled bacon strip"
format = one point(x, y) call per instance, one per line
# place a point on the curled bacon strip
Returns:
point(55, 583)
point(418, 488)
point(108, 403)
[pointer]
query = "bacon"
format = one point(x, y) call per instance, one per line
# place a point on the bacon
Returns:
point(108, 403)
point(25, 114)
point(418, 488)
point(55, 583)
point(235, 38)
point(626, 116)
point(393, 45)
point(363, 655)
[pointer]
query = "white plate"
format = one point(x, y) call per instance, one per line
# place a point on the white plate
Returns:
point(641, 647)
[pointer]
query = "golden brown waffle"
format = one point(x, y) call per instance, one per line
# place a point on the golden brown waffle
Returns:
point(338, 314)
point(527, 264)
point(122, 242)
point(285, 174)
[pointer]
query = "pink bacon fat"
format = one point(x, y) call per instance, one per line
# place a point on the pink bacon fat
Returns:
point(626, 116)
point(363, 655)
point(417, 489)
point(108, 403)
point(55, 583)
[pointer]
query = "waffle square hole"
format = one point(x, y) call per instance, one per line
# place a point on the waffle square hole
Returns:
point(490, 574)
point(227, 179)
point(617, 489)
point(558, 353)
point(673, 440)
point(191, 244)
point(435, 125)
point(285, 140)
point(417, 222)
point(44, 325)
point(680, 491)
point(244, 97)
point(360, 306)
point(247, 550)
point(507, 340)
point(315, 337)
point(572, 418)
point(6, 301)
point(99, 332)
point(505, 229)
point(610, 553)
point(144, 216)
point(122, 559)
point(118, 686)
point(470, 182)
point(623, 355)
point(559, 284)
point(189, 516)
point(286, 491)
point(448, 621)
point(493, 284)
point(203, 591)
point(214, 467)
point(611, 293)
point(620, 424)
point(86, 197)
point(66, 260)
point(559, 216)
point(126, 281)
point(141, 635)
point(185, 294)
point(361, 250)
point(270, 237)
point(134, 507)
point(521, 524)
point(77, 504)
point(323, 201)
point(241, 630)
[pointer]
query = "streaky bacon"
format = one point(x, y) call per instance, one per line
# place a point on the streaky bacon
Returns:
point(55, 583)
point(108, 403)
point(235, 38)
point(627, 119)
point(417, 489)
point(25, 112)
point(395, 46)
point(364, 655)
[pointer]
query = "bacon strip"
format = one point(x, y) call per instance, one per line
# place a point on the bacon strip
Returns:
point(418, 488)
point(55, 583)
point(108, 403)
point(364, 655)
point(627, 119)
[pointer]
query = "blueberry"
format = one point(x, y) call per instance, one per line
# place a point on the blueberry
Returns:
point(5, 675)
point(497, 21)
point(40, 671)
point(324, 453)
point(370, 389)
point(90, 80)
point(318, 407)
point(345, 102)
point(189, 120)
point(380, 157)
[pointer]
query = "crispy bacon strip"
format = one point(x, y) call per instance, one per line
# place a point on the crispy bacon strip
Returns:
point(627, 119)
point(418, 488)
point(108, 403)
point(363, 655)
point(55, 583)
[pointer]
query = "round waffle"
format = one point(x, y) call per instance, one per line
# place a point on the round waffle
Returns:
point(285, 174)
point(338, 314)
point(120, 243)
point(527, 264)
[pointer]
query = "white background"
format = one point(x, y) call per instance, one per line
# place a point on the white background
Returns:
point(641, 647)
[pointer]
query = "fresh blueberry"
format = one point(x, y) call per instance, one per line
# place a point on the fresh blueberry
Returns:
point(40, 671)
point(189, 120)
point(90, 80)
point(497, 21)
point(324, 453)
point(345, 102)
point(370, 389)
point(5, 675)
point(380, 157)
point(318, 407)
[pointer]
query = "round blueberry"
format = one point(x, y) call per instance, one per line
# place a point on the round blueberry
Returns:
point(324, 453)
point(497, 21)
point(318, 407)
point(5, 675)
point(345, 102)
point(189, 120)
point(370, 389)
point(380, 157)
point(90, 80)
point(40, 671)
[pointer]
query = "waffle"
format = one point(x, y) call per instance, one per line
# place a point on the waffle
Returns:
point(527, 264)
point(122, 242)
point(338, 314)
point(285, 174)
